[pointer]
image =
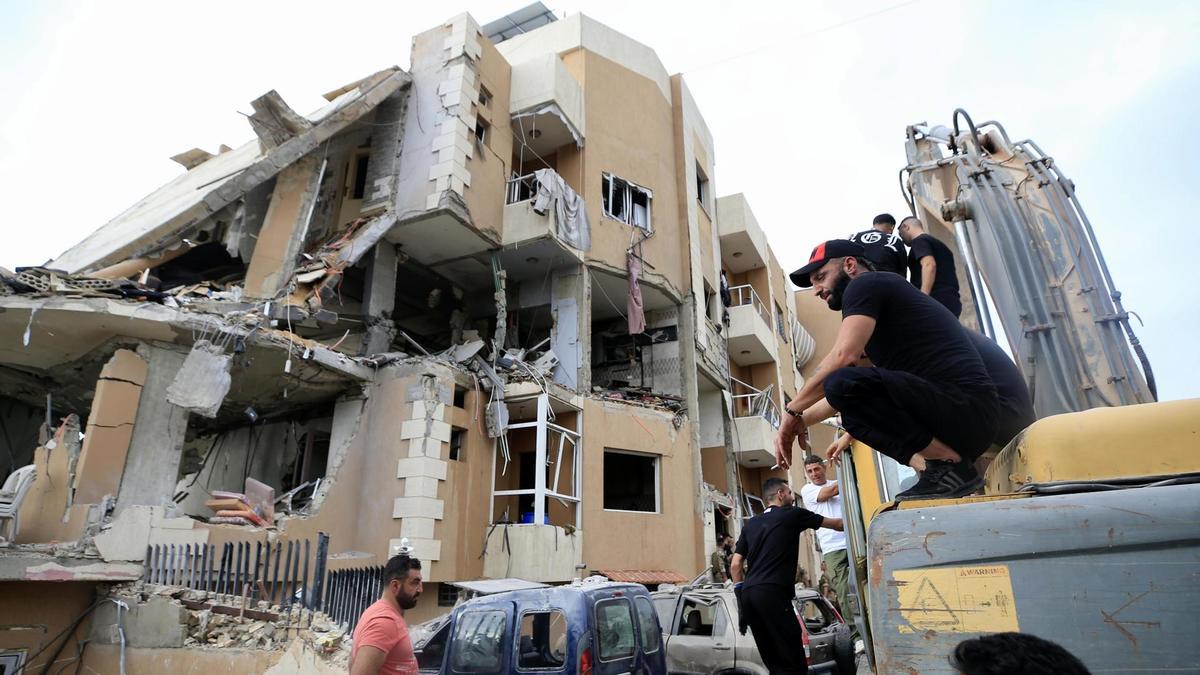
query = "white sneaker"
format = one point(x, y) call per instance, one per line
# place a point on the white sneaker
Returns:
point(859, 647)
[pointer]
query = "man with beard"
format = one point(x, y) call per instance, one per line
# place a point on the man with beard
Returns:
point(927, 392)
point(381, 641)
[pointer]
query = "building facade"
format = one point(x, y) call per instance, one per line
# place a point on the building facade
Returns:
point(490, 308)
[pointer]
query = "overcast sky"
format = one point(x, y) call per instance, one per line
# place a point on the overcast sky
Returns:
point(808, 103)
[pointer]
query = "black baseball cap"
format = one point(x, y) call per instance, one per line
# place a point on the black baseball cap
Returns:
point(823, 253)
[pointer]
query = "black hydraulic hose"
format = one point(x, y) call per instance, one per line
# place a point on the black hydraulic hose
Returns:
point(908, 198)
point(970, 124)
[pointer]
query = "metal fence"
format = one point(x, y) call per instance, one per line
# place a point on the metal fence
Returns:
point(288, 574)
point(351, 591)
point(281, 574)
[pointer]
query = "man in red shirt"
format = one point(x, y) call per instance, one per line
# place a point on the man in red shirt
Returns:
point(381, 642)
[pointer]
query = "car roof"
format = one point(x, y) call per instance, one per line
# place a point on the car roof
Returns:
point(567, 597)
point(802, 592)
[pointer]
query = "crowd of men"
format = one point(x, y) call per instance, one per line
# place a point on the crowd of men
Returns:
point(904, 377)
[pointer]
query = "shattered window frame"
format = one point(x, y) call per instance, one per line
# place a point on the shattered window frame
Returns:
point(447, 595)
point(620, 201)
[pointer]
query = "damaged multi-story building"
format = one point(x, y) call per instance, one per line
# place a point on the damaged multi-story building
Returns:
point(490, 308)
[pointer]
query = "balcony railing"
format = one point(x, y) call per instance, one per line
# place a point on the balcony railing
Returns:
point(746, 295)
point(751, 402)
point(520, 189)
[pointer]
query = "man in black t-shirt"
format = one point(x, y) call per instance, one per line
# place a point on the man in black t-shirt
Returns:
point(928, 391)
point(771, 543)
point(1016, 407)
point(883, 248)
point(931, 265)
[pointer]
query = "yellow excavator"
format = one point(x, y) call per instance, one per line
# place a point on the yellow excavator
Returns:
point(1088, 530)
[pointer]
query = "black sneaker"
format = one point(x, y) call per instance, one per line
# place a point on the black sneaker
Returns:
point(943, 480)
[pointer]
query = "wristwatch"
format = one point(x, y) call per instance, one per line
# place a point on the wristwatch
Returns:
point(798, 415)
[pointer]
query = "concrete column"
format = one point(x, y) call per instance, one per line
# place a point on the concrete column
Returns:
point(380, 293)
point(281, 237)
point(571, 328)
point(691, 395)
point(155, 450)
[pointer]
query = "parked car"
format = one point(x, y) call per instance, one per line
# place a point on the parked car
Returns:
point(600, 628)
point(700, 626)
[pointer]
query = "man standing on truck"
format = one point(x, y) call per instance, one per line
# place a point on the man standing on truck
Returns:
point(883, 247)
point(928, 392)
point(771, 542)
point(820, 495)
point(381, 641)
point(931, 265)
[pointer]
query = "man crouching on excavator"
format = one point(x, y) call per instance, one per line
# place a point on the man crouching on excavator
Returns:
point(927, 392)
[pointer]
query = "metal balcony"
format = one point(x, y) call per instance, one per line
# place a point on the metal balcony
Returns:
point(751, 339)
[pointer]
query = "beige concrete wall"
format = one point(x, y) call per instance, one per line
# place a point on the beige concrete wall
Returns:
point(670, 539)
point(33, 613)
point(489, 165)
point(103, 658)
point(630, 135)
point(713, 462)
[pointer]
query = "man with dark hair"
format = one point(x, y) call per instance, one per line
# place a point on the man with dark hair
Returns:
point(821, 496)
point(771, 543)
point(931, 264)
point(882, 246)
point(928, 392)
point(1014, 654)
point(1016, 407)
point(381, 641)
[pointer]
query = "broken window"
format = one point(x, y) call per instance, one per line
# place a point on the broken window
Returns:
point(542, 642)
point(456, 443)
point(701, 187)
point(646, 367)
point(360, 176)
point(626, 202)
point(630, 481)
point(780, 323)
point(481, 132)
point(485, 96)
point(702, 616)
point(478, 645)
point(614, 628)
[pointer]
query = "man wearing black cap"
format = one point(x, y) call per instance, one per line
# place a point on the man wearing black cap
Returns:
point(882, 246)
point(927, 392)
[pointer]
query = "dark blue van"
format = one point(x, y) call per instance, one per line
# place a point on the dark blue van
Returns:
point(587, 628)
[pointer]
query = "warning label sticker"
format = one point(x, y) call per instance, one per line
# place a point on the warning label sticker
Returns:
point(957, 599)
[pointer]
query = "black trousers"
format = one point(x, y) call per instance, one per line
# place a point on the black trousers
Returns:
point(899, 414)
point(768, 610)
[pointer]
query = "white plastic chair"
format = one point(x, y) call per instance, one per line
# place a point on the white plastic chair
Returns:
point(15, 488)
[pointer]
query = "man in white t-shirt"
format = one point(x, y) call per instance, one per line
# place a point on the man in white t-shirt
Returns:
point(821, 496)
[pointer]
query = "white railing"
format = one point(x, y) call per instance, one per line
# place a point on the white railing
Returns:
point(746, 295)
point(754, 402)
point(520, 188)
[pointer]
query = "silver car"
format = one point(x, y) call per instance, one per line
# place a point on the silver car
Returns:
point(700, 631)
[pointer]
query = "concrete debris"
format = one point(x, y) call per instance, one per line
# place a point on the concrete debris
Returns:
point(201, 384)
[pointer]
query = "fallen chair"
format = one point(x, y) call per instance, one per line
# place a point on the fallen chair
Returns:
point(15, 488)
